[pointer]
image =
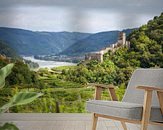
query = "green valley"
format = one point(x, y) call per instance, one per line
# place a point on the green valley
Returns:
point(65, 88)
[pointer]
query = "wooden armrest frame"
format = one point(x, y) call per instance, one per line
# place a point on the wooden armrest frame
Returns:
point(159, 93)
point(100, 87)
point(150, 88)
point(148, 101)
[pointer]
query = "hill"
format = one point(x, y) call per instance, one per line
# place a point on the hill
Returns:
point(27, 42)
point(147, 44)
point(7, 51)
point(94, 42)
point(146, 50)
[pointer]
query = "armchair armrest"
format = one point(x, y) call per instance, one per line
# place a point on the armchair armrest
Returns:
point(148, 100)
point(98, 90)
point(102, 85)
point(149, 88)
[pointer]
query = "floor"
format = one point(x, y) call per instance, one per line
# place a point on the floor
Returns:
point(53, 121)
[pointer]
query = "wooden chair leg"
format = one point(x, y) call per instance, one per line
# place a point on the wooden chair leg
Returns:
point(146, 110)
point(94, 123)
point(113, 94)
point(160, 98)
point(124, 125)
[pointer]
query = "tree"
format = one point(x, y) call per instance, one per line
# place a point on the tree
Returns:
point(20, 98)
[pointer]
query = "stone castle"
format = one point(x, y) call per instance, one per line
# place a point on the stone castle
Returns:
point(121, 42)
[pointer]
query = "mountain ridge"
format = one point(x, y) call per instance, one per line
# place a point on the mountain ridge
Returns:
point(94, 42)
point(27, 42)
point(7, 51)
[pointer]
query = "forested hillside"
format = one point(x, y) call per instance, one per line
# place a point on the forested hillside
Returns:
point(94, 42)
point(7, 51)
point(21, 74)
point(146, 51)
point(27, 42)
point(146, 48)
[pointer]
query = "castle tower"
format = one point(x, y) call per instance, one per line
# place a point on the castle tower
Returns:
point(113, 47)
point(122, 38)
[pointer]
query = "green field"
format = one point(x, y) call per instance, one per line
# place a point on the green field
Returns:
point(59, 95)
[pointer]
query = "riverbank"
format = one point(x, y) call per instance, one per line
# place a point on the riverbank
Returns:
point(48, 64)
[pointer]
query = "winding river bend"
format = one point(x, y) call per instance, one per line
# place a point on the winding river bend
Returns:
point(48, 64)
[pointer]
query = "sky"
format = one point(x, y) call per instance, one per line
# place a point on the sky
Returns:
point(77, 15)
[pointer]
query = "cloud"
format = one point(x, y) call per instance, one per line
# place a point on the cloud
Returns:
point(35, 18)
point(140, 6)
point(77, 15)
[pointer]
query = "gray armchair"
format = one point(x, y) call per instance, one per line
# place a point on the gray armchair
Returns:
point(142, 102)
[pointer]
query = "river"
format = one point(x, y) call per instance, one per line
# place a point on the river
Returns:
point(48, 64)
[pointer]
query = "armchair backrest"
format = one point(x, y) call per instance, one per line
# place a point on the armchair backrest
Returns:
point(147, 77)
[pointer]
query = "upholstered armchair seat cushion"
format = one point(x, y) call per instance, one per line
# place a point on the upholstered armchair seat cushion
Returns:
point(131, 111)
